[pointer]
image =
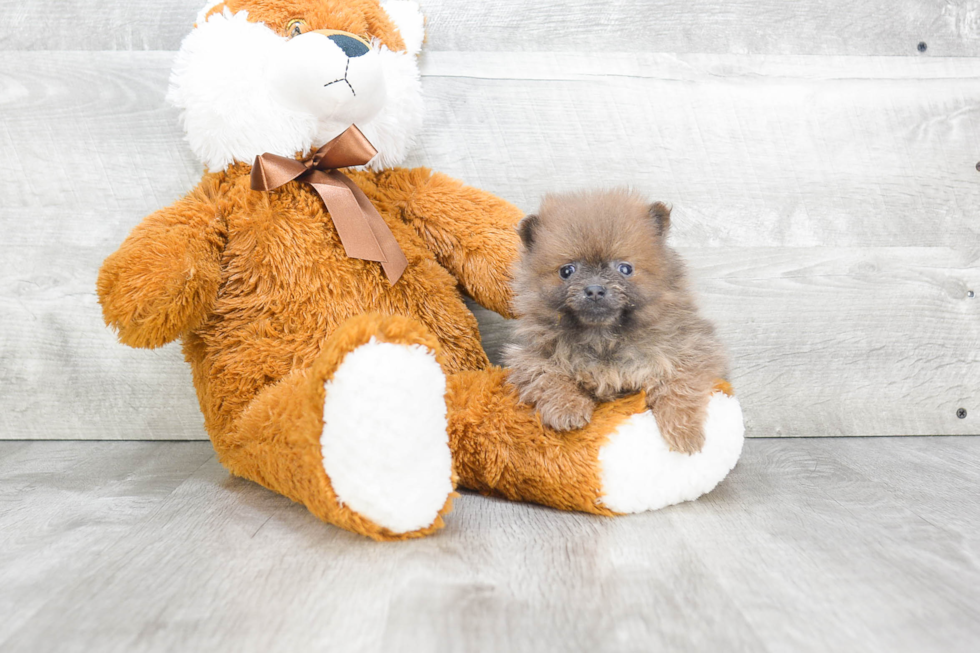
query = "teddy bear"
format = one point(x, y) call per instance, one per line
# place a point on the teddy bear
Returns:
point(317, 289)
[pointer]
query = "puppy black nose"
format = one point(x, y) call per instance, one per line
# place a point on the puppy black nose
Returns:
point(595, 293)
point(351, 46)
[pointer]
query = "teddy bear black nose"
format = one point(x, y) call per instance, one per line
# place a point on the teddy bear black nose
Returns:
point(351, 46)
point(595, 293)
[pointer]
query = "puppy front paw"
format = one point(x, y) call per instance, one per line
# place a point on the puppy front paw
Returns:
point(689, 439)
point(567, 413)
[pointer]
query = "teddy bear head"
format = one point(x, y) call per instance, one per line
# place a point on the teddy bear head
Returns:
point(287, 76)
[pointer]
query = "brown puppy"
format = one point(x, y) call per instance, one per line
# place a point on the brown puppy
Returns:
point(605, 311)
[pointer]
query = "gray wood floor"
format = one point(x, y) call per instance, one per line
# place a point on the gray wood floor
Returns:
point(810, 545)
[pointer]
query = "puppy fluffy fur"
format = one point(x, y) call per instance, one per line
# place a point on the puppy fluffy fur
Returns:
point(605, 311)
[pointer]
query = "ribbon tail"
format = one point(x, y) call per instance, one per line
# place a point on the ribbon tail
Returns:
point(361, 229)
point(357, 238)
point(394, 261)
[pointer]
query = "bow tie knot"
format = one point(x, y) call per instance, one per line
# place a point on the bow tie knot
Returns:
point(361, 229)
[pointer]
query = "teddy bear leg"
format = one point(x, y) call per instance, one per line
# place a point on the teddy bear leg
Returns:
point(618, 463)
point(359, 437)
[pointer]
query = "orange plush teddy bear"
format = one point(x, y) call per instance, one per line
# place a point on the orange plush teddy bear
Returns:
point(334, 358)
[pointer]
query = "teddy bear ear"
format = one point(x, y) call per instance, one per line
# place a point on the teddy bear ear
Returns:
point(409, 20)
point(203, 13)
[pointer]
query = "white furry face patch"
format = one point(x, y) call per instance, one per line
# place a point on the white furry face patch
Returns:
point(337, 79)
point(244, 90)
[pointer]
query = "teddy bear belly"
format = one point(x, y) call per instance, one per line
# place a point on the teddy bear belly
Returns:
point(260, 332)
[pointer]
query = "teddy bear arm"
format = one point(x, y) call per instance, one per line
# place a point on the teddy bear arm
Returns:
point(163, 279)
point(472, 233)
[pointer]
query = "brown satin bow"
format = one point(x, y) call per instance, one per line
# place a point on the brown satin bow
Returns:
point(362, 230)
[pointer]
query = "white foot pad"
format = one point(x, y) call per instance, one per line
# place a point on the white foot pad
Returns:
point(639, 471)
point(384, 442)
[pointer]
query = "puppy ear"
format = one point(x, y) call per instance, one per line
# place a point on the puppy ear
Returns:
point(526, 228)
point(660, 213)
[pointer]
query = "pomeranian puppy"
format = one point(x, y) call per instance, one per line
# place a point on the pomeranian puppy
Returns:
point(605, 311)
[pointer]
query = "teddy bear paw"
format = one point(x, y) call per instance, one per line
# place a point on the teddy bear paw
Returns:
point(384, 442)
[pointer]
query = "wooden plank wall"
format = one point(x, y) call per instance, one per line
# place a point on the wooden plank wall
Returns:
point(823, 172)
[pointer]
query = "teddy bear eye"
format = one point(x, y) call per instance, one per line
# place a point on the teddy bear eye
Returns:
point(566, 271)
point(295, 27)
point(625, 269)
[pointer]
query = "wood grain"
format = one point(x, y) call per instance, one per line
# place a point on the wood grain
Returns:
point(859, 27)
point(826, 205)
point(751, 151)
point(809, 545)
point(789, 151)
point(865, 27)
point(841, 493)
point(62, 507)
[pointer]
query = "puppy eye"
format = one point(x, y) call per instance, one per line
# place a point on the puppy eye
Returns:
point(625, 269)
point(295, 27)
point(566, 271)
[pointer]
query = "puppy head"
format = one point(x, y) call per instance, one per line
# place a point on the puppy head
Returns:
point(287, 76)
point(593, 259)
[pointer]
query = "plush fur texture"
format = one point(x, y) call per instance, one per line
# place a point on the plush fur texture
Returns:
point(605, 311)
point(274, 317)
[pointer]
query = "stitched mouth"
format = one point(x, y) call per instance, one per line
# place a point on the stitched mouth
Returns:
point(343, 79)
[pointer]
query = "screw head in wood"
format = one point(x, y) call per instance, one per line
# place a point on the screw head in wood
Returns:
point(922, 47)
point(961, 413)
point(970, 294)
point(978, 166)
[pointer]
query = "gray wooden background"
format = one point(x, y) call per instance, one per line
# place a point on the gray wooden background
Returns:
point(824, 173)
